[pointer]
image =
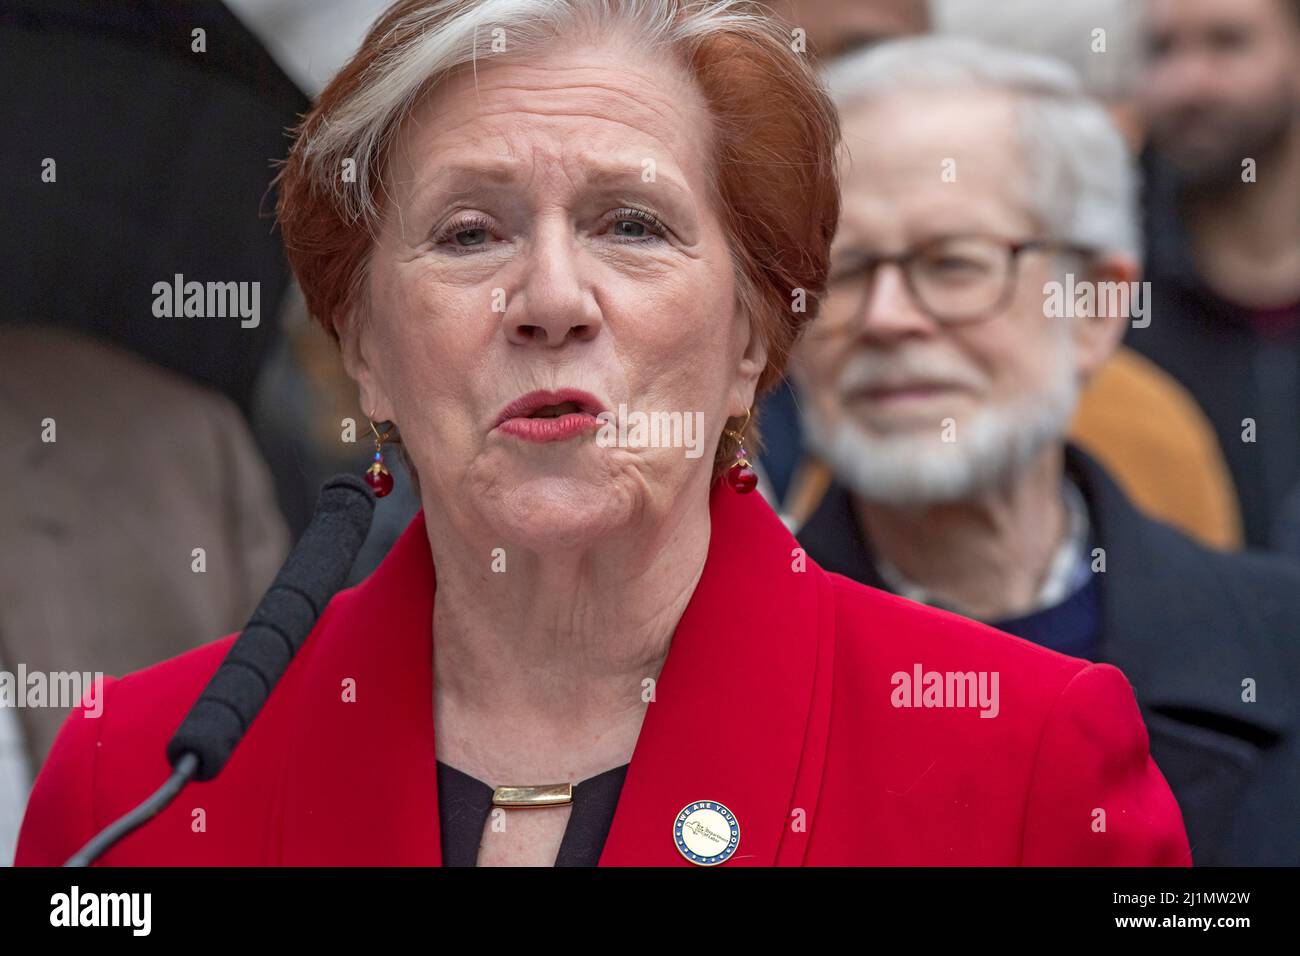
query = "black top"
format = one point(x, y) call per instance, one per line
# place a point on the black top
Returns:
point(464, 803)
point(140, 111)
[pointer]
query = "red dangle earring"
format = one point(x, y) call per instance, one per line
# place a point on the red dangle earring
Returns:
point(378, 477)
point(741, 475)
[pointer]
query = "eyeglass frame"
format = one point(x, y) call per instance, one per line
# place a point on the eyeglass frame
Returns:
point(867, 270)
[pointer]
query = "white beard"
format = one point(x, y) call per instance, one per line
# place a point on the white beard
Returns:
point(918, 468)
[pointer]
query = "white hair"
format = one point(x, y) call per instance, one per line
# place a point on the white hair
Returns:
point(1083, 183)
point(472, 30)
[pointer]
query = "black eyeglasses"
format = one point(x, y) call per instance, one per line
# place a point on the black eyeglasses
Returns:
point(953, 279)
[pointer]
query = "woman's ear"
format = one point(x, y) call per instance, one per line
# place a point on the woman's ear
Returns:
point(356, 344)
point(1098, 331)
point(752, 362)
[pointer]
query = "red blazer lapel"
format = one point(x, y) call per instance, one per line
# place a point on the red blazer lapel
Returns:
point(743, 699)
point(740, 713)
point(361, 784)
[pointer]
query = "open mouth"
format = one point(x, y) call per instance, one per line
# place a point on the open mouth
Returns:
point(555, 411)
point(550, 416)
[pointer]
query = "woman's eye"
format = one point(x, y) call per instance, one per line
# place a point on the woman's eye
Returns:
point(471, 237)
point(636, 225)
point(465, 235)
point(629, 228)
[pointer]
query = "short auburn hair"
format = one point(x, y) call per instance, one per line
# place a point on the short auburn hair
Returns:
point(776, 140)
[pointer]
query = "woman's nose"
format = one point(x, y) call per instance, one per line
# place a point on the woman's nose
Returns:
point(556, 304)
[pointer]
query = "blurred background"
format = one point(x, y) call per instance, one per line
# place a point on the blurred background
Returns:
point(137, 150)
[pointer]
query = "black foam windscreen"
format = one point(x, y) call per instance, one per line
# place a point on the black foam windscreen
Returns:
point(316, 568)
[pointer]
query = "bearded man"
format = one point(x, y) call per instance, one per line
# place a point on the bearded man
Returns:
point(938, 384)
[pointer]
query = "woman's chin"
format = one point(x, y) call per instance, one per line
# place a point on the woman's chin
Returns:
point(560, 513)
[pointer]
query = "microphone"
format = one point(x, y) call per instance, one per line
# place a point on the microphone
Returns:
point(313, 573)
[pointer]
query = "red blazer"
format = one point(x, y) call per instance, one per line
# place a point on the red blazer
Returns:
point(780, 698)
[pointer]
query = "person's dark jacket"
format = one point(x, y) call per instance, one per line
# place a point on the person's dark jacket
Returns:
point(1288, 534)
point(164, 158)
point(1191, 628)
point(1210, 346)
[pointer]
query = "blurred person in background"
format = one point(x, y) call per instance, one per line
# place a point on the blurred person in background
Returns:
point(1166, 459)
point(158, 166)
point(205, 120)
point(1222, 96)
point(1101, 40)
point(125, 469)
point(939, 389)
point(137, 151)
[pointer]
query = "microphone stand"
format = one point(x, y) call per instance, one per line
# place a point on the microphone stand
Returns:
point(313, 573)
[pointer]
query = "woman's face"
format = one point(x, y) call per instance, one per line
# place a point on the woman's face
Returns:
point(549, 228)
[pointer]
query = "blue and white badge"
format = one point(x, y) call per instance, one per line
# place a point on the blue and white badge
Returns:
point(706, 832)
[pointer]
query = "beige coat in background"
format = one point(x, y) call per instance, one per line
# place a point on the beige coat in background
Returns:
point(100, 526)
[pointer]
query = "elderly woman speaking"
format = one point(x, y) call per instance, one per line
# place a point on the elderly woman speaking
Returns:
point(556, 239)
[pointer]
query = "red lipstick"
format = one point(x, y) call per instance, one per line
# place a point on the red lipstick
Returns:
point(550, 416)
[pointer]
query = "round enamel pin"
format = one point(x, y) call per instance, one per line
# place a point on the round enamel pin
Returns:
point(706, 832)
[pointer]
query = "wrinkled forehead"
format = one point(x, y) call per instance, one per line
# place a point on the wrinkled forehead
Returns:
point(577, 112)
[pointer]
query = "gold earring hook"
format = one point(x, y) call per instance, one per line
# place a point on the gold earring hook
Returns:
point(739, 435)
point(386, 435)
